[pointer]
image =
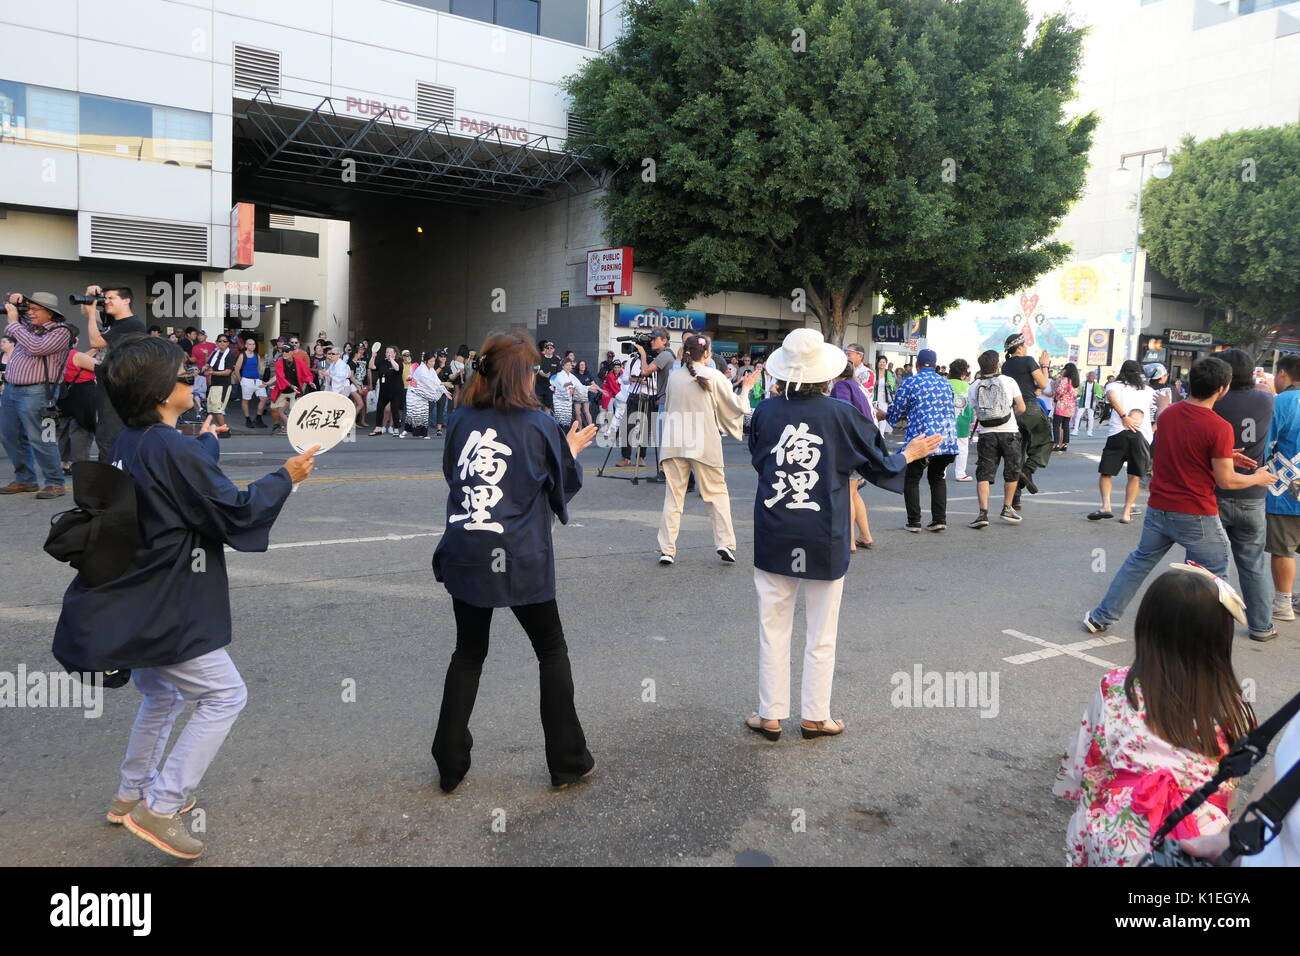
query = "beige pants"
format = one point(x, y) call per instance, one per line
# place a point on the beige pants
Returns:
point(712, 485)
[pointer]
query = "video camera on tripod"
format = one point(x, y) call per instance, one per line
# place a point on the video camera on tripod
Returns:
point(643, 339)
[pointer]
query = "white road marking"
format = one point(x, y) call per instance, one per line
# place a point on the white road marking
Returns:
point(1069, 650)
point(382, 537)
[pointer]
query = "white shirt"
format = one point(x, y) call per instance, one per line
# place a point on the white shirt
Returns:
point(1132, 399)
point(1009, 388)
point(339, 373)
point(427, 379)
point(563, 380)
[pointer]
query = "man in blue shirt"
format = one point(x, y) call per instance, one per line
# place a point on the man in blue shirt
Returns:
point(1282, 506)
point(926, 400)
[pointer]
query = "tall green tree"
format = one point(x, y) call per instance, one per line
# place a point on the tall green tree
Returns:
point(1224, 227)
point(832, 149)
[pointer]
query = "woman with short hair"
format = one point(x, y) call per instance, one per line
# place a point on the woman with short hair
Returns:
point(166, 617)
point(509, 468)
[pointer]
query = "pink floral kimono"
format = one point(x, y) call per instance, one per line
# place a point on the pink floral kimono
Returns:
point(1126, 781)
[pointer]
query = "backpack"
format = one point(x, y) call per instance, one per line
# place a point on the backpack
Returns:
point(992, 404)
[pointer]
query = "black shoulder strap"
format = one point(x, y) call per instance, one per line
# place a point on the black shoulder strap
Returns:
point(1237, 762)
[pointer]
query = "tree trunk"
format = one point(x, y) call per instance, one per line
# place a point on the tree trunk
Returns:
point(836, 332)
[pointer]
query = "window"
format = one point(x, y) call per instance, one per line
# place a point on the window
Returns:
point(182, 136)
point(34, 114)
point(158, 134)
point(518, 14)
point(287, 242)
point(474, 9)
point(115, 127)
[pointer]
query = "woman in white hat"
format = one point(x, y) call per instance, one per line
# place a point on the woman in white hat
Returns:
point(805, 445)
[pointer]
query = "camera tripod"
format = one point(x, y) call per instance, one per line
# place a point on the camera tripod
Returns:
point(646, 405)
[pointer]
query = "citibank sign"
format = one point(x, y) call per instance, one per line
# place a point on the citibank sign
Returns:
point(639, 317)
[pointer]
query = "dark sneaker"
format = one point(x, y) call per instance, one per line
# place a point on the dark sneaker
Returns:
point(167, 833)
point(727, 555)
point(936, 526)
point(914, 528)
point(665, 559)
point(52, 491)
point(1092, 627)
point(1027, 479)
point(17, 488)
point(981, 521)
point(1012, 515)
point(120, 808)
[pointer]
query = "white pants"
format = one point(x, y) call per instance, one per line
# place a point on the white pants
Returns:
point(776, 597)
point(963, 454)
point(1080, 414)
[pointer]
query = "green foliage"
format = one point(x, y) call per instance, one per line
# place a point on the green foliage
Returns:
point(916, 148)
point(1223, 225)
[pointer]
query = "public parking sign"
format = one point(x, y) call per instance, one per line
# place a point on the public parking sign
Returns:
point(609, 271)
point(1099, 346)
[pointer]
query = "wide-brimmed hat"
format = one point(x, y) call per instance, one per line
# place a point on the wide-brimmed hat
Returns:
point(805, 356)
point(47, 301)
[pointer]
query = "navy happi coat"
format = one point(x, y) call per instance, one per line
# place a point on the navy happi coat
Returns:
point(508, 472)
point(805, 449)
point(173, 602)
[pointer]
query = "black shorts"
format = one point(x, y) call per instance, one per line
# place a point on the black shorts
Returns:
point(995, 447)
point(1126, 446)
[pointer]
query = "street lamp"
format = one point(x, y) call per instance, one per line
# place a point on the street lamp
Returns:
point(1160, 170)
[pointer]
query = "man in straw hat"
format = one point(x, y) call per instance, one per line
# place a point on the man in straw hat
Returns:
point(804, 446)
point(36, 366)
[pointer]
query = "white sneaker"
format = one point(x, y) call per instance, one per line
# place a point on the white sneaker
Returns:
point(665, 559)
point(727, 555)
point(392, 431)
point(1282, 609)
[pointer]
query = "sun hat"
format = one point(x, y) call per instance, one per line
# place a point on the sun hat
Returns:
point(47, 301)
point(805, 357)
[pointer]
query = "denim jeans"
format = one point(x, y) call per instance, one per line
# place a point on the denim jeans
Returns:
point(30, 442)
point(1243, 521)
point(1201, 535)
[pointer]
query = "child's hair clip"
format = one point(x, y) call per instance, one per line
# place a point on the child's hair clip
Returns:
point(1228, 595)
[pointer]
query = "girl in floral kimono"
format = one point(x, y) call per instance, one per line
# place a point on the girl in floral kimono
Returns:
point(1155, 731)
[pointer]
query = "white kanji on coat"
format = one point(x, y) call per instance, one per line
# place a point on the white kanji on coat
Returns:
point(483, 458)
point(797, 450)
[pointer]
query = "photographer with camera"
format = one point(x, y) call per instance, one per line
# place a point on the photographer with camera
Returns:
point(650, 365)
point(33, 375)
point(119, 320)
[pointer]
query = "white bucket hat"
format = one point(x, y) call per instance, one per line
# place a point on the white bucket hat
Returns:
point(804, 357)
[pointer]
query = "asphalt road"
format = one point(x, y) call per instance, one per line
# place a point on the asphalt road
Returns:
point(346, 594)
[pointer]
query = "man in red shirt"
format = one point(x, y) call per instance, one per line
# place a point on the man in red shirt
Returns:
point(1193, 452)
point(201, 349)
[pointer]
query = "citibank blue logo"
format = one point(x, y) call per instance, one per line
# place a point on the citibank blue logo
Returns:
point(638, 317)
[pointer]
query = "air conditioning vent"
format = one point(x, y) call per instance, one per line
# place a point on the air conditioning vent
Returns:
point(579, 126)
point(433, 102)
point(257, 69)
point(282, 221)
point(152, 241)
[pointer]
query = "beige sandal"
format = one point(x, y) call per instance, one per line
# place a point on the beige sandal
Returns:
point(756, 724)
point(821, 728)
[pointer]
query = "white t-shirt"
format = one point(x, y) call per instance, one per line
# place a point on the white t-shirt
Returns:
point(339, 373)
point(563, 381)
point(1132, 399)
point(1009, 388)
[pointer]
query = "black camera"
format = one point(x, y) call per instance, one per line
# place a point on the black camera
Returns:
point(643, 339)
point(95, 300)
point(20, 305)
